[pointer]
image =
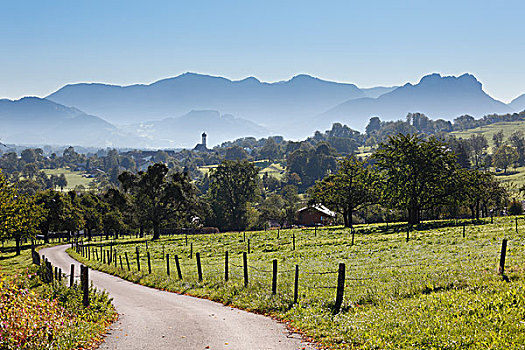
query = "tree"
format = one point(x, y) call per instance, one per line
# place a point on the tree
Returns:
point(55, 206)
point(236, 153)
point(504, 157)
point(270, 150)
point(461, 149)
point(478, 145)
point(273, 208)
point(418, 174)
point(478, 190)
point(291, 200)
point(374, 125)
point(517, 140)
point(352, 187)
point(233, 184)
point(92, 208)
point(312, 163)
point(497, 138)
point(515, 207)
point(19, 214)
point(161, 197)
point(61, 181)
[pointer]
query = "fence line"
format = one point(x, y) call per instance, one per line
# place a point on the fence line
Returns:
point(110, 255)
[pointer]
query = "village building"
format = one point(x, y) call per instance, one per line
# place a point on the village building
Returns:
point(315, 215)
point(201, 147)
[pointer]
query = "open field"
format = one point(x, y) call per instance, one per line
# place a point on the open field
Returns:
point(74, 178)
point(276, 170)
point(489, 130)
point(438, 290)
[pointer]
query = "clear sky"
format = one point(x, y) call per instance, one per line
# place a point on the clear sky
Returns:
point(47, 44)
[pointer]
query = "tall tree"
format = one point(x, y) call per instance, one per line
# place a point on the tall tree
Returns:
point(497, 138)
point(418, 174)
point(19, 214)
point(478, 145)
point(55, 207)
point(233, 184)
point(518, 141)
point(161, 197)
point(504, 157)
point(351, 188)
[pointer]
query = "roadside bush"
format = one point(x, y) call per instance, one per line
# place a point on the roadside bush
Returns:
point(49, 316)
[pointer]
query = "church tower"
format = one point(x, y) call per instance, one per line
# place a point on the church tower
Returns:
point(204, 139)
point(201, 147)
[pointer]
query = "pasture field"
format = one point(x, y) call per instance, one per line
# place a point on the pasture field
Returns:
point(439, 290)
point(489, 130)
point(73, 178)
point(276, 170)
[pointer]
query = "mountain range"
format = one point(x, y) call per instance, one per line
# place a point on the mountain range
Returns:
point(434, 95)
point(173, 112)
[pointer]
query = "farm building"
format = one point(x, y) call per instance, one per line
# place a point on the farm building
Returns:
point(314, 215)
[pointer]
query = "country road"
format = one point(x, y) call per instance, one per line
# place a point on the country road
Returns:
point(153, 319)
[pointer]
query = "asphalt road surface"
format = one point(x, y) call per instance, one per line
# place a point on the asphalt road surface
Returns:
point(153, 319)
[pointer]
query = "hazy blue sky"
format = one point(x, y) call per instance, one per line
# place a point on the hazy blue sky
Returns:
point(46, 44)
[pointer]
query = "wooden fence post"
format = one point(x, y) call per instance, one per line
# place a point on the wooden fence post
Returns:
point(278, 230)
point(293, 239)
point(248, 246)
point(149, 262)
point(296, 285)
point(408, 232)
point(120, 260)
point(244, 236)
point(501, 267)
point(199, 267)
point(191, 250)
point(138, 258)
point(115, 257)
point(177, 264)
point(353, 234)
point(59, 275)
point(463, 230)
point(168, 264)
point(340, 288)
point(516, 224)
point(72, 276)
point(85, 285)
point(89, 253)
point(127, 260)
point(274, 277)
point(49, 272)
point(245, 265)
point(226, 266)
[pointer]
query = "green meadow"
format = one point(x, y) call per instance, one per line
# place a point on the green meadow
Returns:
point(438, 290)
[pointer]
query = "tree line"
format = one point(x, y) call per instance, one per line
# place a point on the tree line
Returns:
point(407, 178)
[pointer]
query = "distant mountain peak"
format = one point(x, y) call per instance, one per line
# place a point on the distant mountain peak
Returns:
point(465, 80)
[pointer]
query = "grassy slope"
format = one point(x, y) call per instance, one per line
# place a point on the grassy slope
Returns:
point(273, 169)
point(489, 130)
point(439, 290)
point(515, 176)
point(73, 178)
